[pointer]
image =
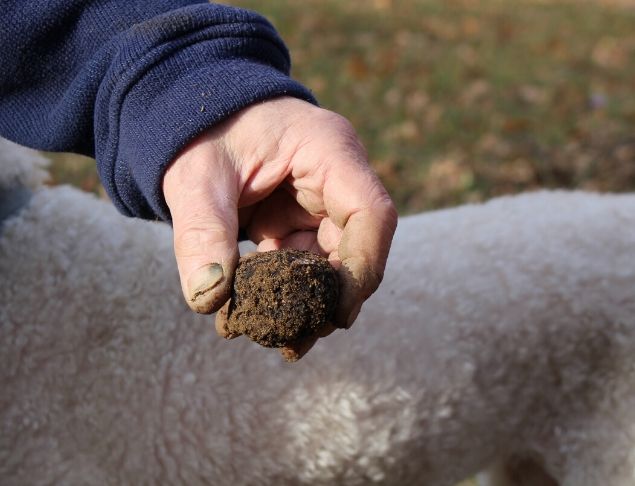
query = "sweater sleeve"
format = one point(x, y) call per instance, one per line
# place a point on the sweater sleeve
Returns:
point(132, 82)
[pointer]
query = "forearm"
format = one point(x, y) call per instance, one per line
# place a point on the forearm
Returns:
point(132, 82)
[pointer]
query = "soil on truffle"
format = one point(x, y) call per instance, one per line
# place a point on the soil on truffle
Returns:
point(282, 296)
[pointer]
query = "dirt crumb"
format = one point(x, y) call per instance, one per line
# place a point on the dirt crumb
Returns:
point(282, 296)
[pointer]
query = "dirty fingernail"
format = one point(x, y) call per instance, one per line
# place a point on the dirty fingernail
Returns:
point(204, 279)
point(353, 315)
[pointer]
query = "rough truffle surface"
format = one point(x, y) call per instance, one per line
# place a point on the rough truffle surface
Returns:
point(281, 296)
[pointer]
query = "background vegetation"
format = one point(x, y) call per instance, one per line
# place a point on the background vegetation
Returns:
point(459, 101)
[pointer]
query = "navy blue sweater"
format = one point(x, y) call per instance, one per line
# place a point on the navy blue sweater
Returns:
point(130, 82)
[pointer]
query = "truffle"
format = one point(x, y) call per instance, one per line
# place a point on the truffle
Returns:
point(282, 296)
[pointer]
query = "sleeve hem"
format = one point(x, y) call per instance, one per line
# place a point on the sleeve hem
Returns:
point(163, 105)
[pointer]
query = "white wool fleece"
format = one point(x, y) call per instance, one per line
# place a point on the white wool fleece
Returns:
point(501, 331)
point(20, 166)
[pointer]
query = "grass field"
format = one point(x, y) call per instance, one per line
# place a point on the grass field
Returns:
point(460, 101)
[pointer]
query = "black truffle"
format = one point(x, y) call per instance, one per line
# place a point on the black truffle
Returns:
point(282, 296)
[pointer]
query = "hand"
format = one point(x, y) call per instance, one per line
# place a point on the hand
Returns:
point(292, 175)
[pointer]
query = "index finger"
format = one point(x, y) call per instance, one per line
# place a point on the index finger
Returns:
point(356, 201)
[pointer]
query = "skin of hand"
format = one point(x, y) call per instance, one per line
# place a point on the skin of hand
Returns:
point(292, 175)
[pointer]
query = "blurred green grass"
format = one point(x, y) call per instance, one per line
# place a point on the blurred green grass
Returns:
point(459, 101)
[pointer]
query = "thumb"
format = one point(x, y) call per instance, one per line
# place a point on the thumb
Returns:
point(205, 245)
point(203, 205)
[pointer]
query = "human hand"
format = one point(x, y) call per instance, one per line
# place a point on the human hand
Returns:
point(292, 175)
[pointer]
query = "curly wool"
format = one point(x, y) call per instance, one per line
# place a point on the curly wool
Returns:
point(503, 334)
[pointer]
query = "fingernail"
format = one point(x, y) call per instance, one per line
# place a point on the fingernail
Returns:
point(204, 279)
point(353, 315)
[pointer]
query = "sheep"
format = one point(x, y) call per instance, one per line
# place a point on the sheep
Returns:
point(502, 337)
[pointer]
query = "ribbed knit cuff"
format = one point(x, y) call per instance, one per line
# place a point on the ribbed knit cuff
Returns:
point(182, 73)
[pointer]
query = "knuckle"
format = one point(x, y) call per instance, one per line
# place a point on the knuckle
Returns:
point(349, 137)
point(195, 240)
point(387, 208)
point(340, 125)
